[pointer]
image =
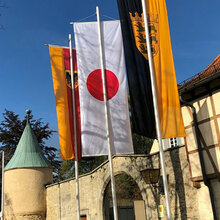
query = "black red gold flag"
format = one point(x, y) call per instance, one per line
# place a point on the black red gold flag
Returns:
point(133, 31)
point(60, 65)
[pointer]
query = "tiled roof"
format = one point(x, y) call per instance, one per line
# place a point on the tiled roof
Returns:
point(210, 70)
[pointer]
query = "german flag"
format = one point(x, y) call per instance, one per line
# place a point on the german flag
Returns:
point(134, 38)
point(60, 65)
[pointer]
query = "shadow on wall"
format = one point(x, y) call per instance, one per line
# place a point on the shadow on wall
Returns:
point(156, 189)
point(176, 187)
point(8, 207)
point(209, 137)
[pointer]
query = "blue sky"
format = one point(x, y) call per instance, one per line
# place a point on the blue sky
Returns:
point(25, 73)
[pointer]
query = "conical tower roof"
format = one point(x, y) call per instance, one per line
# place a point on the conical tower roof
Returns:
point(28, 153)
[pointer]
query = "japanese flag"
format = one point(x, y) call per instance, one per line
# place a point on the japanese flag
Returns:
point(93, 122)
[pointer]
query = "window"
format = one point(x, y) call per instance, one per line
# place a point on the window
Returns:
point(173, 142)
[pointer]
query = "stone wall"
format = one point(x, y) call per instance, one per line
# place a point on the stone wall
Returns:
point(185, 204)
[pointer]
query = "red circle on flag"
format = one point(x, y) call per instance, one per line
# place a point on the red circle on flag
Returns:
point(94, 84)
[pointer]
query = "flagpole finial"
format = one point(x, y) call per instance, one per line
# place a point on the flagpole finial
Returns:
point(97, 10)
point(28, 112)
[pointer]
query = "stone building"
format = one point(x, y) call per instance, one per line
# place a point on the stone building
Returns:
point(192, 166)
point(200, 101)
point(200, 98)
point(194, 189)
point(26, 175)
point(184, 197)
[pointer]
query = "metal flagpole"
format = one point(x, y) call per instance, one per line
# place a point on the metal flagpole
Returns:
point(74, 129)
point(156, 112)
point(3, 168)
point(107, 118)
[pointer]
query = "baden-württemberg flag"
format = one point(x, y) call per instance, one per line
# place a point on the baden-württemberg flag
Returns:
point(92, 108)
point(132, 21)
point(60, 65)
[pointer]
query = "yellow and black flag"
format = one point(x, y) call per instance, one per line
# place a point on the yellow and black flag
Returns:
point(133, 31)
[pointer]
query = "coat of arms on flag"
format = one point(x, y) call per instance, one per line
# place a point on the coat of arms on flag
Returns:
point(133, 31)
point(139, 33)
point(60, 65)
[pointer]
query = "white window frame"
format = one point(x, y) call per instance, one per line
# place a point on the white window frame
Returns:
point(173, 142)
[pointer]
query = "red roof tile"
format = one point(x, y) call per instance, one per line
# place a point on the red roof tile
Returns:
point(210, 70)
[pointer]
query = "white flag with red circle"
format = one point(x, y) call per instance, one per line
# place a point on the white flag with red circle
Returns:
point(92, 110)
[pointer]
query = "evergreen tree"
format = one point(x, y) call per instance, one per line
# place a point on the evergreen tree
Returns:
point(86, 165)
point(142, 145)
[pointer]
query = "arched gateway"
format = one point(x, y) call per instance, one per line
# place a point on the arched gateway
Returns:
point(127, 193)
point(95, 202)
point(95, 196)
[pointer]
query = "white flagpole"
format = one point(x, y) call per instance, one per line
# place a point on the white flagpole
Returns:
point(107, 118)
point(156, 112)
point(3, 168)
point(74, 129)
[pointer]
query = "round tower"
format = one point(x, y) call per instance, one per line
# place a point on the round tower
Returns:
point(25, 177)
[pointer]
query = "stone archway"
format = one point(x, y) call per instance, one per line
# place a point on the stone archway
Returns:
point(127, 191)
